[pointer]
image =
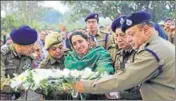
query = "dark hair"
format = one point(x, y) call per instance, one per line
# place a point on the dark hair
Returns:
point(82, 33)
point(165, 20)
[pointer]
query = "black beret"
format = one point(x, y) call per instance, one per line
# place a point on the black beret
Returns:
point(117, 22)
point(24, 35)
point(136, 18)
point(92, 16)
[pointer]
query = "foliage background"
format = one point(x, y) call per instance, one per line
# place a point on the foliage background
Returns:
point(33, 14)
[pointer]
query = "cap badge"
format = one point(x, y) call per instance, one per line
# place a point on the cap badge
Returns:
point(128, 22)
point(121, 21)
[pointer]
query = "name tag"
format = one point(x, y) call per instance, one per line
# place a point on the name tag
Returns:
point(26, 66)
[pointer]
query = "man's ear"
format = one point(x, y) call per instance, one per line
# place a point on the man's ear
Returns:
point(146, 29)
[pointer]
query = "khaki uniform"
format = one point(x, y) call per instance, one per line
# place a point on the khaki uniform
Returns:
point(161, 87)
point(12, 63)
point(51, 63)
point(122, 60)
point(101, 39)
point(171, 35)
point(113, 48)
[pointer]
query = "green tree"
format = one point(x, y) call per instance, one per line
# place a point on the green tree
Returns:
point(24, 12)
point(112, 9)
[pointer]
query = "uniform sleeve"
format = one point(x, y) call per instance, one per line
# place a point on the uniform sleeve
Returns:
point(2, 67)
point(135, 74)
point(4, 50)
point(104, 62)
point(5, 82)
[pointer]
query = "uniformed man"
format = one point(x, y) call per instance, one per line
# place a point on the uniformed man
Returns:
point(153, 67)
point(122, 58)
point(54, 60)
point(99, 37)
point(169, 27)
point(15, 58)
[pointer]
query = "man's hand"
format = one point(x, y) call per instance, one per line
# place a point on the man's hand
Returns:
point(78, 86)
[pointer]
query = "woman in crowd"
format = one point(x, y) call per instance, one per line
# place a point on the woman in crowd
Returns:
point(86, 55)
point(54, 60)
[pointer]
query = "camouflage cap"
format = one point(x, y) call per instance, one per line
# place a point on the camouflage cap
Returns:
point(52, 38)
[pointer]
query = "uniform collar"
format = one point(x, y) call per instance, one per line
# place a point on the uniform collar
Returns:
point(14, 53)
point(97, 34)
point(52, 60)
point(153, 37)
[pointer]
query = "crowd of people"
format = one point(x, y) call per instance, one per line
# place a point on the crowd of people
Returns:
point(137, 53)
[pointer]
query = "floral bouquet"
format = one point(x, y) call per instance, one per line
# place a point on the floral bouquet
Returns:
point(46, 81)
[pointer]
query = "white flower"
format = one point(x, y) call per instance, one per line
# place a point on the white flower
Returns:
point(15, 84)
point(87, 73)
point(66, 72)
point(19, 79)
point(75, 73)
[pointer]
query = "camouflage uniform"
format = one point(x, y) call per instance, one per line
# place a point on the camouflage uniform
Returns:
point(51, 63)
point(12, 63)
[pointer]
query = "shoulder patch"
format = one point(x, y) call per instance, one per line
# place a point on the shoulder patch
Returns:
point(5, 49)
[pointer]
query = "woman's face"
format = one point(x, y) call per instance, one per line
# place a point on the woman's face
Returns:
point(80, 45)
point(37, 51)
point(56, 51)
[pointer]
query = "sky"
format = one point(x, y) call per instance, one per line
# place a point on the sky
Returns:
point(2, 13)
point(56, 5)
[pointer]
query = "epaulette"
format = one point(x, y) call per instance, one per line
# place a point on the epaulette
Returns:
point(5, 49)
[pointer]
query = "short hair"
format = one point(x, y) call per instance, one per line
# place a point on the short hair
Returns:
point(167, 19)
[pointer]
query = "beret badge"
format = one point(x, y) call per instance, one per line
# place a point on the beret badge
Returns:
point(96, 16)
point(129, 22)
point(121, 21)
